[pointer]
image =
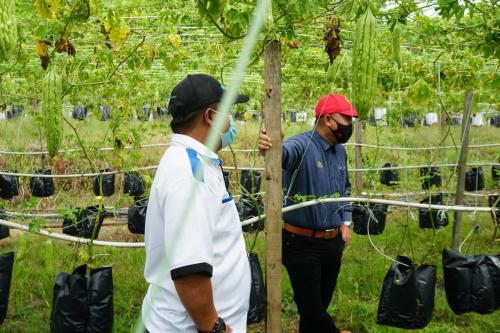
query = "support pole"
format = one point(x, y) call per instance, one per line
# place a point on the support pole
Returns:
point(358, 157)
point(462, 164)
point(274, 192)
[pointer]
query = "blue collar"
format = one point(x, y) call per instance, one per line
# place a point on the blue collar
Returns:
point(324, 143)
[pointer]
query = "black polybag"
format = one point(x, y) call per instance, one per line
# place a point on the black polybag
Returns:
point(83, 304)
point(389, 177)
point(137, 216)
point(495, 172)
point(161, 111)
point(472, 283)
point(133, 183)
point(87, 223)
point(250, 181)
point(105, 112)
point(42, 186)
point(430, 176)
point(474, 179)
point(4, 230)
point(226, 174)
point(6, 265)
point(79, 112)
point(432, 218)
point(407, 297)
point(108, 184)
point(248, 208)
point(257, 309)
point(100, 300)
point(369, 219)
point(9, 186)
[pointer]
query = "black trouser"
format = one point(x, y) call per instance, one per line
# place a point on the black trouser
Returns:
point(313, 266)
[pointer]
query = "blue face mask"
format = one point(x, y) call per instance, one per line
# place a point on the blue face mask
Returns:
point(228, 137)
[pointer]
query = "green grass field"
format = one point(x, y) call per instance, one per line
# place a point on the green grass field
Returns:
point(356, 298)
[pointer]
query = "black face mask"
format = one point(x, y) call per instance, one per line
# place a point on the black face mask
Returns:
point(343, 132)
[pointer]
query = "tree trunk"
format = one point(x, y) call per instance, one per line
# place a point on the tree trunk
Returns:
point(462, 161)
point(274, 192)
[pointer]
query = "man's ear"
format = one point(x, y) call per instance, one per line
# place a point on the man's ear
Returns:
point(330, 123)
point(209, 116)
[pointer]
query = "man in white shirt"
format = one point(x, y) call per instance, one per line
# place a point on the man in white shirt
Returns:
point(196, 262)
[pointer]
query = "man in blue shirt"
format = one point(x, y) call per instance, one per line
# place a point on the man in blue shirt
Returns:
point(315, 166)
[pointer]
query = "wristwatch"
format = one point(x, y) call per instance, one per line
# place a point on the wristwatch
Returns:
point(219, 327)
point(348, 223)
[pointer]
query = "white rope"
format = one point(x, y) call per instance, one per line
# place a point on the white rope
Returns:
point(254, 219)
point(154, 145)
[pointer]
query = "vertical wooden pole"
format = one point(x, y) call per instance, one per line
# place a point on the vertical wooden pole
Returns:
point(358, 158)
point(462, 161)
point(274, 192)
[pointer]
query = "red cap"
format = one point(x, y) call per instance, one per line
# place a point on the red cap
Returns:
point(333, 103)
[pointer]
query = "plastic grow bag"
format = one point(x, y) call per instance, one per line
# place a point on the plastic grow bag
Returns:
point(250, 181)
point(108, 184)
point(87, 223)
point(472, 283)
point(226, 179)
point(42, 186)
point(389, 177)
point(6, 265)
point(83, 304)
point(407, 297)
point(9, 186)
point(105, 112)
point(369, 219)
point(133, 183)
point(495, 172)
point(137, 216)
point(474, 179)
point(79, 112)
point(257, 309)
point(4, 230)
point(430, 177)
point(432, 218)
point(248, 208)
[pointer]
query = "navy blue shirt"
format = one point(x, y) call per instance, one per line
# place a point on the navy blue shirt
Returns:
point(314, 168)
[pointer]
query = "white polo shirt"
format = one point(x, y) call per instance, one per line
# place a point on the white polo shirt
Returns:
point(193, 231)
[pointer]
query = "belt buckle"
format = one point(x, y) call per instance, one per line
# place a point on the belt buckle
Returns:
point(327, 231)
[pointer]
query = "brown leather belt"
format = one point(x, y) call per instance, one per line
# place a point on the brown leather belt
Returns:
point(325, 234)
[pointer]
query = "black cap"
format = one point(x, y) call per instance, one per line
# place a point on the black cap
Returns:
point(194, 93)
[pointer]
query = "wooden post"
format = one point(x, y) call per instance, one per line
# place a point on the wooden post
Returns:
point(274, 192)
point(358, 158)
point(462, 161)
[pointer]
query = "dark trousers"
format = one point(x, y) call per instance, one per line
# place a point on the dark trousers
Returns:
point(313, 266)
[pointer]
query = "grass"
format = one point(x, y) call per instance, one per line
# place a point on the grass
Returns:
point(356, 298)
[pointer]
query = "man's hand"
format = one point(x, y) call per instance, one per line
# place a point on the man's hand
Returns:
point(265, 141)
point(346, 233)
